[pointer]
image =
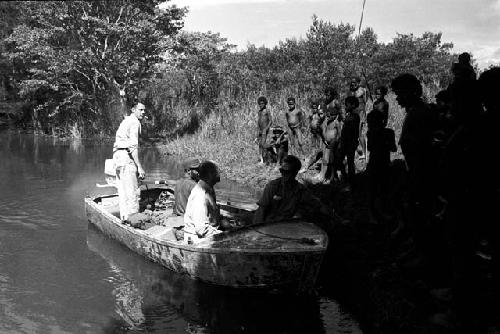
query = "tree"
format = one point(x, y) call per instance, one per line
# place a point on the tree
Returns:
point(9, 18)
point(426, 57)
point(77, 55)
point(332, 51)
point(190, 75)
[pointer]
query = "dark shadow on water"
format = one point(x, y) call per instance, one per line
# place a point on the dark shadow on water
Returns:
point(151, 298)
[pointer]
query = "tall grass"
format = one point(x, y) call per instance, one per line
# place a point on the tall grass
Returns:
point(228, 134)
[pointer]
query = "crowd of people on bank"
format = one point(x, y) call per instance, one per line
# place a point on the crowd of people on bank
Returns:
point(337, 131)
point(449, 152)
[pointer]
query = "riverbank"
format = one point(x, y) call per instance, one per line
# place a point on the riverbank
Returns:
point(238, 161)
point(358, 264)
point(350, 271)
point(228, 138)
point(370, 269)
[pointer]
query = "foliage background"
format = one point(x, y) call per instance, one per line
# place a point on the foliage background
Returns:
point(68, 61)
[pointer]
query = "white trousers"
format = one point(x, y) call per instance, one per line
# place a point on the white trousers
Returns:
point(128, 190)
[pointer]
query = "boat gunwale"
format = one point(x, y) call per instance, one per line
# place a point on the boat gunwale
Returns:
point(91, 201)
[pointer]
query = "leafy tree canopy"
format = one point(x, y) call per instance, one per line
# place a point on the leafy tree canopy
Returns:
point(74, 55)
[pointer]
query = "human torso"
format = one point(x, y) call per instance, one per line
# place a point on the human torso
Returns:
point(264, 120)
point(285, 199)
point(360, 94)
point(350, 130)
point(126, 140)
point(293, 118)
point(183, 189)
point(332, 108)
point(383, 106)
point(380, 144)
point(202, 198)
point(417, 132)
point(317, 119)
point(333, 129)
point(127, 133)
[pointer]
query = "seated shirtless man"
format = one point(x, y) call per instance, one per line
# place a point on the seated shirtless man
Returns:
point(294, 119)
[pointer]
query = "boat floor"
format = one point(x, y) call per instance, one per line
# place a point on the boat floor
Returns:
point(160, 232)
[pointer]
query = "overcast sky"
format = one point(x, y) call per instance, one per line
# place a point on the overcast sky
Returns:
point(472, 25)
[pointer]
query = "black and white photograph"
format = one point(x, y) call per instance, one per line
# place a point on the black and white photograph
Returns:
point(250, 167)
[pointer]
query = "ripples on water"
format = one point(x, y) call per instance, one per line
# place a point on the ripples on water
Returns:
point(59, 275)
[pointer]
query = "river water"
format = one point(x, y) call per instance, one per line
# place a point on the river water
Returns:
point(59, 275)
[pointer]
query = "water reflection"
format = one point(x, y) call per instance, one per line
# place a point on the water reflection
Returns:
point(148, 297)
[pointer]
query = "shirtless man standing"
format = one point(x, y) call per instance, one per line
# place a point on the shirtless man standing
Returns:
point(349, 139)
point(362, 95)
point(316, 120)
point(331, 129)
point(264, 123)
point(294, 119)
point(331, 104)
point(381, 103)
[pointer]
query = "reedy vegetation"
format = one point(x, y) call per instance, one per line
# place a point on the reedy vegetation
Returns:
point(68, 61)
point(222, 117)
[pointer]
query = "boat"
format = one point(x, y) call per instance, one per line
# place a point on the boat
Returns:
point(146, 294)
point(283, 257)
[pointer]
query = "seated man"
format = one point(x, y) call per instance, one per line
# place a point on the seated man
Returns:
point(285, 198)
point(202, 216)
point(277, 148)
point(185, 185)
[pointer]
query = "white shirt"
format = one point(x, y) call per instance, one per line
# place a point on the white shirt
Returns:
point(127, 135)
point(202, 212)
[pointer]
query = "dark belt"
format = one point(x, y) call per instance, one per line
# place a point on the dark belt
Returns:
point(120, 149)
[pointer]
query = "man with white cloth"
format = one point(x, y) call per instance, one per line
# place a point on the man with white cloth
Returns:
point(126, 160)
point(202, 215)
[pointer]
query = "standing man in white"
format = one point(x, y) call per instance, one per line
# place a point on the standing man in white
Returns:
point(127, 164)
